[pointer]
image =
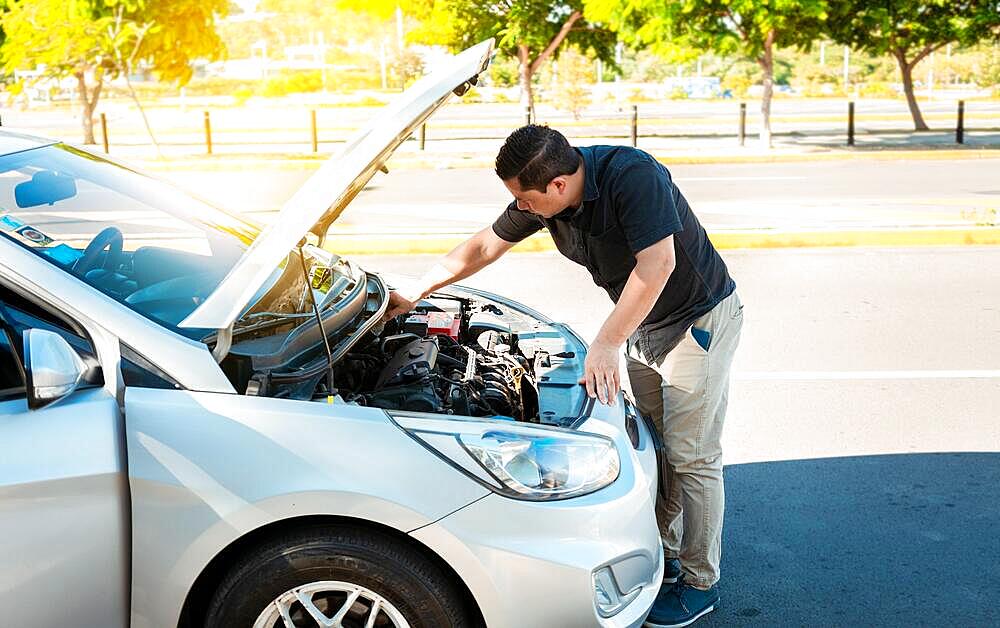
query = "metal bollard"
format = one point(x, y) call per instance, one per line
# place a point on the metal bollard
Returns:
point(315, 138)
point(635, 126)
point(423, 136)
point(960, 127)
point(208, 133)
point(104, 131)
point(742, 133)
point(850, 123)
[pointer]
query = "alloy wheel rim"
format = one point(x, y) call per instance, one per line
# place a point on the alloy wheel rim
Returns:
point(330, 604)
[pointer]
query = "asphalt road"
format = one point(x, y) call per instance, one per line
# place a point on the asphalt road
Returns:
point(863, 438)
point(754, 195)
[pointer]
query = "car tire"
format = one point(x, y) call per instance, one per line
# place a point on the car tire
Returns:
point(369, 559)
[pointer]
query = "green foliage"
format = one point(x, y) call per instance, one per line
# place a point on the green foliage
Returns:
point(738, 84)
point(576, 73)
point(678, 29)
point(181, 31)
point(739, 76)
point(242, 94)
point(878, 89)
point(748, 29)
point(531, 23)
point(529, 30)
point(912, 28)
point(990, 70)
point(89, 35)
point(503, 71)
point(643, 66)
point(367, 101)
point(93, 40)
point(72, 37)
point(293, 82)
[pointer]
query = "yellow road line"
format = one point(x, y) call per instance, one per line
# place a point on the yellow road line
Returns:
point(368, 244)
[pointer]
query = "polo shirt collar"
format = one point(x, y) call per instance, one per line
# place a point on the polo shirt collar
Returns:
point(590, 190)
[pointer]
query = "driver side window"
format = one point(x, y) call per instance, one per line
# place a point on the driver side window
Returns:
point(17, 315)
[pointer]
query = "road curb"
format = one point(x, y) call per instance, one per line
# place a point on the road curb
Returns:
point(415, 244)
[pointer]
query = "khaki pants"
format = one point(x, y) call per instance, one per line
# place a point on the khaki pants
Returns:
point(685, 394)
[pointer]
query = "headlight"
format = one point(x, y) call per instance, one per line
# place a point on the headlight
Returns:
point(517, 460)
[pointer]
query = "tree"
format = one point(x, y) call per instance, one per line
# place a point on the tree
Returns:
point(990, 71)
point(576, 73)
point(910, 30)
point(532, 31)
point(95, 41)
point(748, 28)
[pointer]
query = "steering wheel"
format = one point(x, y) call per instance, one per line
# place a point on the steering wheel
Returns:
point(110, 238)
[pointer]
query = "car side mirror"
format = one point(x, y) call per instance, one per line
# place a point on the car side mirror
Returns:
point(52, 369)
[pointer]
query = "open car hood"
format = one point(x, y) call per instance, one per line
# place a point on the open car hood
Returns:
point(327, 192)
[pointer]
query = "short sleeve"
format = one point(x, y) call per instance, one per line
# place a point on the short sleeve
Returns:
point(644, 203)
point(514, 225)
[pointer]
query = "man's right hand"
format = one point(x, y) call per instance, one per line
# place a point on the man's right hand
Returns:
point(465, 259)
point(398, 304)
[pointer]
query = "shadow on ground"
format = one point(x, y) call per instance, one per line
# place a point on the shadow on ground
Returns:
point(894, 540)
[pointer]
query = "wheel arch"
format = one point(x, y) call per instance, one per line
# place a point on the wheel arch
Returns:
point(198, 596)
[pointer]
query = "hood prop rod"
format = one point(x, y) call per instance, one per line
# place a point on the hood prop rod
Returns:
point(330, 390)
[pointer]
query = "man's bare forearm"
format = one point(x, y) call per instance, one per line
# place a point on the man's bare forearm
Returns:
point(652, 270)
point(464, 260)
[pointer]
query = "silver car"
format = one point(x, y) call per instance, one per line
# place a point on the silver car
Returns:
point(207, 423)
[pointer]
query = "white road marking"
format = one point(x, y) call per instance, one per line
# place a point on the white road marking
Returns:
point(755, 376)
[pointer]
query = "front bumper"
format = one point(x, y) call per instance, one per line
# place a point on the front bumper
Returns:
point(533, 563)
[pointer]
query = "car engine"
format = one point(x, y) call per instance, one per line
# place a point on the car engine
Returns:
point(452, 355)
point(435, 361)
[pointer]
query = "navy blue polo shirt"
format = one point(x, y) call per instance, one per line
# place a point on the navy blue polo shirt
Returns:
point(630, 203)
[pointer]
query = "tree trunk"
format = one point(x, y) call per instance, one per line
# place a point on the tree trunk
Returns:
point(525, 72)
point(906, 69)
point(529, 66)
point(767, 66)
point(88, 101)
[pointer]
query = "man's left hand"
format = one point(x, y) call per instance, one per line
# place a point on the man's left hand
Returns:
point(601, 372)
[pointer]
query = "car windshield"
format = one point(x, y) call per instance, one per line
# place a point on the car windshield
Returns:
point(137, 239)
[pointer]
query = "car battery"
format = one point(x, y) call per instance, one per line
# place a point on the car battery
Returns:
point(433, 323)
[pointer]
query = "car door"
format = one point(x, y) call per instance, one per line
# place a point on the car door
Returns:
point(64, 542)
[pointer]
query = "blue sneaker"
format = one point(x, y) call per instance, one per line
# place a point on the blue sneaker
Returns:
point(671, 570)
point(680, 604)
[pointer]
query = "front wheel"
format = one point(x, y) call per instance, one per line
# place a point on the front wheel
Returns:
point(336, 577)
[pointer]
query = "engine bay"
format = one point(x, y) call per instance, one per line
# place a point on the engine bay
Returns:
point(455, 354)
point(454, 365)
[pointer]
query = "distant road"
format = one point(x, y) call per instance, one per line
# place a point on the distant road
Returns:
point(790, 195)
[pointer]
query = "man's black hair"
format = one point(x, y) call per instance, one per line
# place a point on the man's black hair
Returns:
point(535, 155)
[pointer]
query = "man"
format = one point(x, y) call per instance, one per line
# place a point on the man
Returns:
point(616, 211)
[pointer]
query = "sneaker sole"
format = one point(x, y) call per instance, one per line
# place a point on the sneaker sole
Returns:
point(708, 610)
